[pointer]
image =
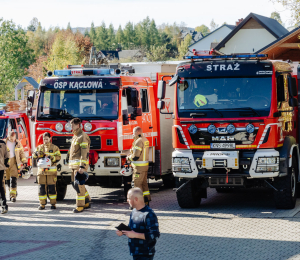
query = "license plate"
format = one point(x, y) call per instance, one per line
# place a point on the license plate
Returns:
point(222, 146)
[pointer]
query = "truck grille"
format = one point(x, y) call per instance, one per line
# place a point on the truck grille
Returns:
point(64, 142)
point(220, 163)
point(213, 182)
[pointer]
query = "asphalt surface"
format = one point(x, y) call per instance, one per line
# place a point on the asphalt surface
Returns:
point(239, 225)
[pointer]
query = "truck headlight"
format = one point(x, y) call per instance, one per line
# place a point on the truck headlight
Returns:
point(181, 169)
point(181, 160)
point(68, 127)
point(87, 127)
point(267, 164)
point(59, 127)
point(112, 161)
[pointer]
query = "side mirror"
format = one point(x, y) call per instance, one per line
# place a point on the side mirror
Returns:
point(293, 102)
point(174, 80)
point(161, 104)
point(134, 97)
point(161, 90)
point(30, 101)
point(125, 118)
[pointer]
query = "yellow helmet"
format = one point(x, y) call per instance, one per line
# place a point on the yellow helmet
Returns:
point(200, 100)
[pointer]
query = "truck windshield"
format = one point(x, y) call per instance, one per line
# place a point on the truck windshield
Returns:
point(85, 104)
point(3, 126)
point(224, 97)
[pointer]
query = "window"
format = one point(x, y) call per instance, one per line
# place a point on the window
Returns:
point(22, 123)
point(144, 100)
point(280, 90)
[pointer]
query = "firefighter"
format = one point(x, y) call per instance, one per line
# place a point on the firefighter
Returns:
point(139, 156)
point(78, 157)
point(47, 177)
point(17, 161)
point(4, 163)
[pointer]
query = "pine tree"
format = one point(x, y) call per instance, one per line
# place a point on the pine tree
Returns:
point(119, 37)
point(69, 26)
point(111, 37)
point(92, 33)
point(154, 34)
point(129, 36)
point(102, 36)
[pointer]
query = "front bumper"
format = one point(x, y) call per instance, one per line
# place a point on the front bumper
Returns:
point(239, 163)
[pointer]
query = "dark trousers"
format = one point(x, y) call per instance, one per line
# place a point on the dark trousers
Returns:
point(2, 191)
point(143, 257)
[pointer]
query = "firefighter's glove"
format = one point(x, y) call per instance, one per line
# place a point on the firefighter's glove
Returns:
point(41, 154)
point(6, 162)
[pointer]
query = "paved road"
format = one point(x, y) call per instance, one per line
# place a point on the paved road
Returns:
point(239, 225)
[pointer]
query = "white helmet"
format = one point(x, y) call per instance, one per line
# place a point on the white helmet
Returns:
point(26, 173)
point(44, 163)
point(126, 171)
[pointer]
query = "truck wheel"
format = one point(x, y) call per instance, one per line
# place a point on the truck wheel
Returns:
point(61, 189)
point(285, 197)
point(188, 194)
point(169, 181)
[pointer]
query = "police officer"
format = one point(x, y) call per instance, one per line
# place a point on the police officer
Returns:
point(78, 157)
point(139, 156)
point(17, 161)
point(47, 177)
point(4, 160)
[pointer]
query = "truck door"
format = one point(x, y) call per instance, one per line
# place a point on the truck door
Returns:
point(23, 135)
point(12, 126)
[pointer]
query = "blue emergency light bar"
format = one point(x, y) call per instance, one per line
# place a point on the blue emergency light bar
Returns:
point(233, 56)
point(84, 72)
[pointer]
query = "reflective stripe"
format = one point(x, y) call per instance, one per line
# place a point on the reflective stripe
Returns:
point(80, 197)
point(51, 170)
point(86, 194)
point(17, 149)
point(44, 197)
point(57, 153)
point(74, 162)
point(144, 155)
point(146, 193)
point(136, 147)
point(50, 154)
point(140, 163)
point(53, 197)
point(13, 192)
point(24, 160)
point(83, 161)
point(84, 145)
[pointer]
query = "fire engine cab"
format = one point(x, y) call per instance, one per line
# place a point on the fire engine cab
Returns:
point(110, 106)
point(235, 124)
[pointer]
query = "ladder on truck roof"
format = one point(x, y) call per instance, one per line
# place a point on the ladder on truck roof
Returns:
point(228, 57)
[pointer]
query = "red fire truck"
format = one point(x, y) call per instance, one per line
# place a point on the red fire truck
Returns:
point(235, 125)
point(110, 106)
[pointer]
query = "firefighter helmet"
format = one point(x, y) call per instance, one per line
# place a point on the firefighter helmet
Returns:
point(44, 163)
point(200, 100)
point(26, 173)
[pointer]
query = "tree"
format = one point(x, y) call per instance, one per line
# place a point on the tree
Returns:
point(33, 24)
point(93, 33)
point(157, 53)
point(129, 36)
point(203, 29)
point(101, 41)
point(276, 16)
point(111, 37)
point(64, 51)
point(184, 46)
point(69, 26)
point(15, 56)
point(119, 37)
point(154, 34)
point(213, 25)
point(293, 6)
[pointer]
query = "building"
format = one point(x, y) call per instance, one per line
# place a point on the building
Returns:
point(210, 40)
point(284, 48)
point(251, 34)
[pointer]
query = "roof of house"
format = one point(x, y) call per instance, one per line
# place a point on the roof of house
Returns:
point(285, 47)
point(129, 54)
point(227, 25)
point(271, 25)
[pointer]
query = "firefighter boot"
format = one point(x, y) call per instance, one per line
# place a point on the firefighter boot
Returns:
point(41, 207)
point(4, 209)
point(78, 210)
point(87, 204)
point(53, 206)
point(146, 201)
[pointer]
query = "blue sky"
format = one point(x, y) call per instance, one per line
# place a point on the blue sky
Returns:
point(82, 13)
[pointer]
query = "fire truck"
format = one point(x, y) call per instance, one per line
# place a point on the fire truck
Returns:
point(110, 105)
point(235, 124)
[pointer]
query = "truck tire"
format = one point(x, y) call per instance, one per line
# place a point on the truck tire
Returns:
point(61, 189)
point(286, 196)
point(188, 194)
point(169, 181)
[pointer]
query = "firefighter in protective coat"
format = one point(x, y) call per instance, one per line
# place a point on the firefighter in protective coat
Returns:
point(139, 158)
point(4, 164)
point(17, 161)
point(47, 177)
point(78, 157)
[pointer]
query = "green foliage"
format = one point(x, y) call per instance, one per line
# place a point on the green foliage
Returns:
point(69, 26)
point(157, 53)
point(64, 52)
point(203, 29)
point(15, 56)
point(184, 46)
point(276, 16)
